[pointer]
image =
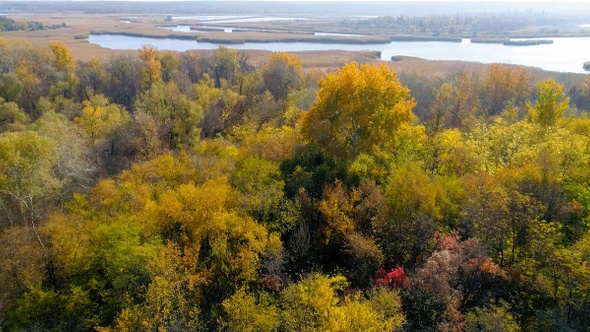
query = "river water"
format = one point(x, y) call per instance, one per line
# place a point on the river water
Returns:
point(564, 55)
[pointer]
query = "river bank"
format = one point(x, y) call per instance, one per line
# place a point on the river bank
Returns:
point(542, 55)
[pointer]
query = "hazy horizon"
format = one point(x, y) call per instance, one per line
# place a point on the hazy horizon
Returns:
point(580, 8)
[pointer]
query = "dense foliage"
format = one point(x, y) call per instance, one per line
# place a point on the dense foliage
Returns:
point(195, 191)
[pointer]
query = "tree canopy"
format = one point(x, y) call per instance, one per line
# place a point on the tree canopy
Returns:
point(358, 110)
point(198, 191)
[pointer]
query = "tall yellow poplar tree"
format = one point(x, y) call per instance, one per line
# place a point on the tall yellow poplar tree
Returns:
point(358, 110)
point(551, 104)
point(63, 57)
point(153, 67)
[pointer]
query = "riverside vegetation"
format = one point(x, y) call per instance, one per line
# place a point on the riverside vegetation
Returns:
point(161, 191)
point(350, 22)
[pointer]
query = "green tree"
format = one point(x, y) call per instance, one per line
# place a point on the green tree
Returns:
point(165, 119)
point(74, 167)
point(220, 106)
point(261, 192)
point(282, 74)
point(226, 66)
point(27, 182)
point(22, 265)
point(102, 265)
point(92, 78)
point(11, 117)
point(10, 87)
point(125, 80)
point(496, 318)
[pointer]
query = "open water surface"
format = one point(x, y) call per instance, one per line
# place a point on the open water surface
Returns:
point(564, 55)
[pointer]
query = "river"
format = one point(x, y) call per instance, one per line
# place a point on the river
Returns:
point(564, 55)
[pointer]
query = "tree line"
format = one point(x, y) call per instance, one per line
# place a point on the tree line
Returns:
point(196, 192)
point(8, 24)
point(468, 25)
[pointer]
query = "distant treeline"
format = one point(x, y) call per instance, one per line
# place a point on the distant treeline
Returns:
point(491, 26)
point(509, 42)
point(8, 24)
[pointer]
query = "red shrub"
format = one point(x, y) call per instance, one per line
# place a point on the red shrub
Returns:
point(396, 278)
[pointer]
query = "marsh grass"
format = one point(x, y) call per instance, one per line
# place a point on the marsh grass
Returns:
point(80, 25)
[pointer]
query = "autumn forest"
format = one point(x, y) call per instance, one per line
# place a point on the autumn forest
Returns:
point(200, 191)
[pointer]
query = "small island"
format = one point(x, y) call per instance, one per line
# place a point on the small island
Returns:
point(490, 40)
point(528, 42)
point(511, 42)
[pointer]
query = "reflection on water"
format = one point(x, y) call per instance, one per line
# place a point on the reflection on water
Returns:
point(563, 55)
point(179, 28)
point(225, 29)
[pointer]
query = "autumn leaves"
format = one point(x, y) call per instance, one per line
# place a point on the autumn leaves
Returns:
point(192, 192)
point(358, 110)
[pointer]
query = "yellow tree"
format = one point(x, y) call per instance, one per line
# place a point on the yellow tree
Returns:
point(504, 86)
point(550, 105)
point(245, 314)
point(63, 57)
point(153, 67)
point(314, 305)
point(64, 62)
point(358, 110)
point(99, 119)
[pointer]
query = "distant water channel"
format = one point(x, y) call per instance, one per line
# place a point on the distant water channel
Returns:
point(564, 55)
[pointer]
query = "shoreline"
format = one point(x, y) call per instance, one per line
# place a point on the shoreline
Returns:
point(383, 51)
point(241, 37)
